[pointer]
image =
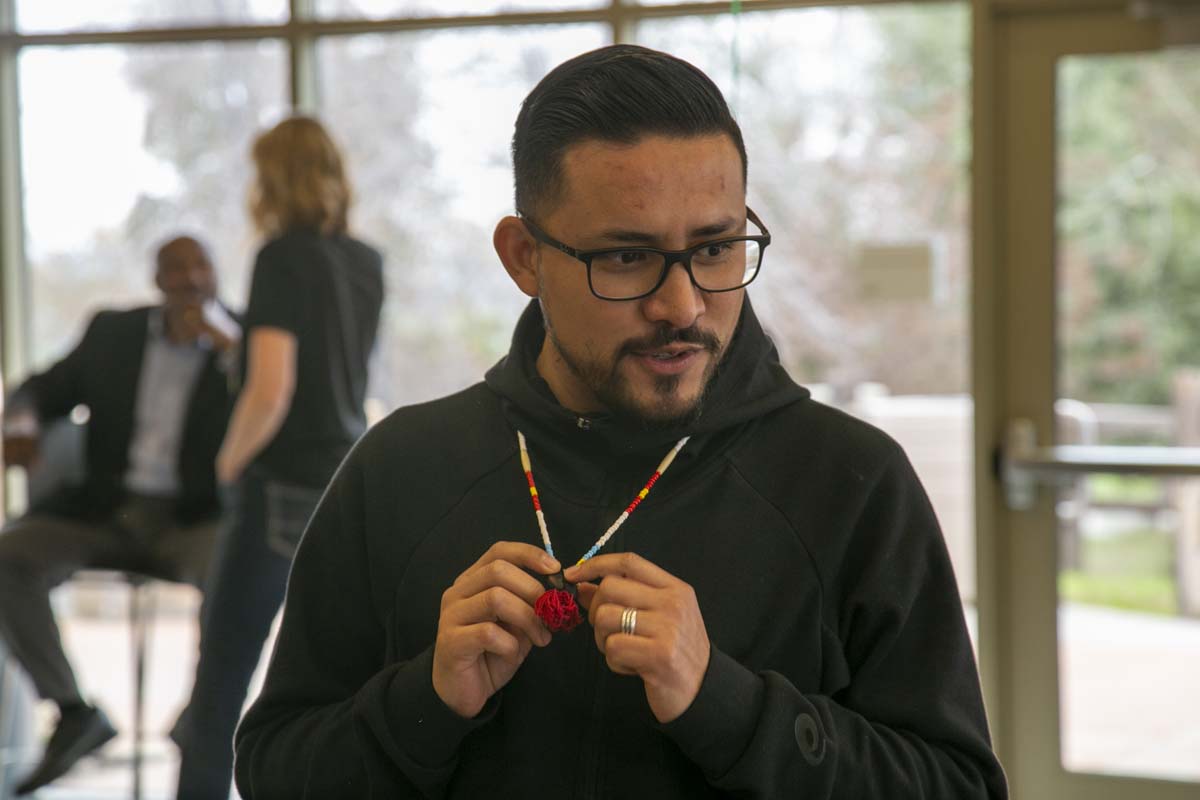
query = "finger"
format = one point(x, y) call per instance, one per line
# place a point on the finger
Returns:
point(500, 606)
point(497, 605)
point(522, 554)
point(606, 623)
point(524, 645)
point(629, 565)
point(628, 592)
point(466, 643)
point(632, 655)
point(503, 574)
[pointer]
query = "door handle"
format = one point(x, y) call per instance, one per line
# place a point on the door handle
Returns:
point(1024, 465)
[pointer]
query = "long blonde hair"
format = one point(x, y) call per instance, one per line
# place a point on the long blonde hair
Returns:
point(301, 182)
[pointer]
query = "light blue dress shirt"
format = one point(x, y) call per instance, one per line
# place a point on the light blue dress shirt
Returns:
point(168, 378)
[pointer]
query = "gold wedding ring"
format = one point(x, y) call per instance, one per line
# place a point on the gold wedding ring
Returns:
point(629, 621)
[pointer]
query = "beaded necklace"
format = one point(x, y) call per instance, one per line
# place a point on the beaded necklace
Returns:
point(556, 607)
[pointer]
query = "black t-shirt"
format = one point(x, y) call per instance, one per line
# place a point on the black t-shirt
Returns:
point(326, 291)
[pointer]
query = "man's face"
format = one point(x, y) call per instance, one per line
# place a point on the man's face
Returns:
point(650, 359)
point(185, 275)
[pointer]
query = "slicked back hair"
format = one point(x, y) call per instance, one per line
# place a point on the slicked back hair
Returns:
point(615, 94)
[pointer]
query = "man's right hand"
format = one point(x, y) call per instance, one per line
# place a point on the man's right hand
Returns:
point(20, 450)
point(487, 625)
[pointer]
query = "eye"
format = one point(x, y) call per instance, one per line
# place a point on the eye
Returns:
point(714, 253)
point(621, 258)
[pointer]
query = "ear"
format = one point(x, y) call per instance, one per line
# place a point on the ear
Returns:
point(518, 252)
point(158, 279)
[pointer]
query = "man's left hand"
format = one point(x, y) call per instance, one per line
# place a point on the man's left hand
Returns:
point(211, 322)
point(669, 648)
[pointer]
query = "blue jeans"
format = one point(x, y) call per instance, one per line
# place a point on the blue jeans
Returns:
point(246, 584)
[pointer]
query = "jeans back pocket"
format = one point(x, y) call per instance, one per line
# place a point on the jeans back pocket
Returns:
point(289, 508)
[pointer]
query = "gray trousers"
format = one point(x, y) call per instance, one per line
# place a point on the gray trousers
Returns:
point(40, 551)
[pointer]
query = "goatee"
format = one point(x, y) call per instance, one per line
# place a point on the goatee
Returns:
point(607, 383)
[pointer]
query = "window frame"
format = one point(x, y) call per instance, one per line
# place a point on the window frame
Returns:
point(299, 33)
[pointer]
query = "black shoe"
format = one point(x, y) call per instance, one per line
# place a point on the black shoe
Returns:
point(79, 731)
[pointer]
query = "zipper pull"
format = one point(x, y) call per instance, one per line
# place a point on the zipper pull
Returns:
point(583, 423)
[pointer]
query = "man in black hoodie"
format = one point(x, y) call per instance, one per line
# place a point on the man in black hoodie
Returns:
point(770, 609)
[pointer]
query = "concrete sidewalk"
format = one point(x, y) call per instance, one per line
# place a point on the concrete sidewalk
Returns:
point(1130, 689)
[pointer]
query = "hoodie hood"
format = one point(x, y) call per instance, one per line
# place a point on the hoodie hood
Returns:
point(748, 383)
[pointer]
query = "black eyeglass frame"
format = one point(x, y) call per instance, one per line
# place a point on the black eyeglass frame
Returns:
point(670, 257)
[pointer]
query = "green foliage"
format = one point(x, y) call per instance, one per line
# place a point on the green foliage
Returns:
point(1144, 552)
point(1132, 570)
point(1129, 224)
point(1150, 594)
point(1106, 488)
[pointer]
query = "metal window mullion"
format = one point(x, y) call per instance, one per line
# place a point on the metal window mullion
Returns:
point(14, 283)
point(304, 83)
point(621, 21)
point(621, 15)
point(15, 322)
point(633, 13)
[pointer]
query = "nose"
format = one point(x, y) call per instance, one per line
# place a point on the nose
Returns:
point(678, 301)
point(196, 277)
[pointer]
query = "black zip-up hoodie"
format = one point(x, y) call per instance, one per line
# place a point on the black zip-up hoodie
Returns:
point(840, 666)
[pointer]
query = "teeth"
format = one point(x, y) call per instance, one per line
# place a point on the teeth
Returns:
point(661, 356)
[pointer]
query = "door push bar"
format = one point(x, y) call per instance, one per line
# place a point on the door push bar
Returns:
point(1023, 465)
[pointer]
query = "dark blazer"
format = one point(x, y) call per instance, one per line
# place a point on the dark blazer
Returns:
point(102, 373)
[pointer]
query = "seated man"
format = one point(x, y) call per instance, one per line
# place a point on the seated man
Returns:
point(770, 607)
point(156, 382)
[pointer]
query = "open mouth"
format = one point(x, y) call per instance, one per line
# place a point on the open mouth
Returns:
point(668, 356)
point(669, 361)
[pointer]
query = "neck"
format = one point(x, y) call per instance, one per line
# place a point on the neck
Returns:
point(175, 328)
point(564, 385)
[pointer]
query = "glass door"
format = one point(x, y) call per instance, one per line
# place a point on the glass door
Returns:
point(1096, 358)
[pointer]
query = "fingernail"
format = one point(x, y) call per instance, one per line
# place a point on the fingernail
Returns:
point(550, 563)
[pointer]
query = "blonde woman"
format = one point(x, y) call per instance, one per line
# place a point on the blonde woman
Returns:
point(310, 325)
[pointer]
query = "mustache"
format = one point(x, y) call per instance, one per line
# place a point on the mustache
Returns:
point(665, 335)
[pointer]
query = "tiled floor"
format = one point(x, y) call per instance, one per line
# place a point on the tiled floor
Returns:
point(101, 650)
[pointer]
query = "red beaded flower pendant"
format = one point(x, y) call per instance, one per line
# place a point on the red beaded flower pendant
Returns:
point(557, 607)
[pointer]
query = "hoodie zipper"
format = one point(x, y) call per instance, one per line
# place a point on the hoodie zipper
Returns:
point(595, 740)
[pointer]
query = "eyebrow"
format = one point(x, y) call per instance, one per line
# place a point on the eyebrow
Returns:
point(641, 237)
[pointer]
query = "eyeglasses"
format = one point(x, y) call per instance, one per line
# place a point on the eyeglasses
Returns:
point(629, 273)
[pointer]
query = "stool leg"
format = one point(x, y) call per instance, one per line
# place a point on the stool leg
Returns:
point(138, 625)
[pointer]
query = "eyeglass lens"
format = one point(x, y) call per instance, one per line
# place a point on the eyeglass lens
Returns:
point(720, 266)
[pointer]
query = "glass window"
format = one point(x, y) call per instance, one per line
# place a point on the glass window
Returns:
point(427, 139)
point(54, 15)
point(125, 146)
point(855, 120)
point(1128, 273)
point(380, 9)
